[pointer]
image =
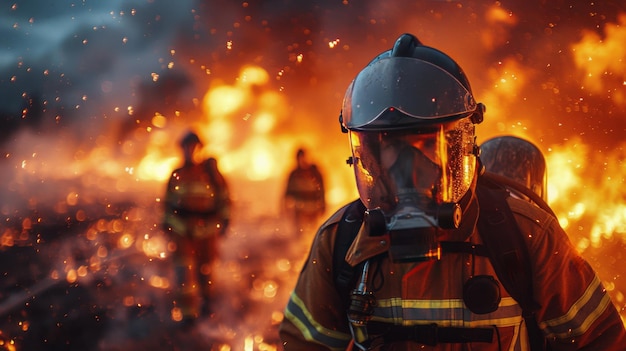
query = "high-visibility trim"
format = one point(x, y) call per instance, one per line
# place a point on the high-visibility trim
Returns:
point(297, 313)
point(583, 313)
point(445, 313)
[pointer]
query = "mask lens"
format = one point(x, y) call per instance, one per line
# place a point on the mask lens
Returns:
point(400, 171)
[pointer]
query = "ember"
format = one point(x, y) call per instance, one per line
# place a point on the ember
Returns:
point(94, 98)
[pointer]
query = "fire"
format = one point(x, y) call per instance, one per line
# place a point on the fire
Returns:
point(596, 56)
point(576, 198)
point(248, 122)
point(263, 161)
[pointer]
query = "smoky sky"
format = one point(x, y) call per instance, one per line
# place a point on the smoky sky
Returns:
point(62, 61)
point(77, 66)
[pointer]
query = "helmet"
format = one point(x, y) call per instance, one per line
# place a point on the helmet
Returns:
point(189, 139)
point(410, 115)
point(410, 85)
point(516, 159)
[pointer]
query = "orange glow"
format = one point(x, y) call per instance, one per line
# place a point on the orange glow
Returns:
point(71, 276)
point(125, 241)
point(82, 271)
point(596, 56)
point(497, 14)
point(260, 159)
point(508, 80)
point(159, 282)
point(7, 238)
point(224, 100)
point(602, 202)
point(154, 247)
point(72, 199)
point(159, 120)
point(176, 314)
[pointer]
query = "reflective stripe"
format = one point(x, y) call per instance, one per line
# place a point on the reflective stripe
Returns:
point(581, 315)
point(297, 313)
point(445, 313)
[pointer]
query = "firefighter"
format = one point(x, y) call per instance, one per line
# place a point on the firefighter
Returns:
point(197, 214)
point(305, 198)
point(420, 275)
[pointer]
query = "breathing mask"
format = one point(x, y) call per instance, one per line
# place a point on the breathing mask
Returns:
point(411, 182)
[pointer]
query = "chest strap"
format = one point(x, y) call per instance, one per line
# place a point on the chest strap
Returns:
point(429, 334)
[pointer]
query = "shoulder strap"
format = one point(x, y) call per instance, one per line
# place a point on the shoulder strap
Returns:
point(509, 255)
point(348, 228)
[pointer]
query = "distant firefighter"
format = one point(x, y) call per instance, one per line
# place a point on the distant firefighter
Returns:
point(197, 214)
point(305, 198)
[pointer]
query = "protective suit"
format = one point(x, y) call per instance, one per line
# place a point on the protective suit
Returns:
point(197, 214)
point(305, 197)
point(578, 311)
point(410, 116)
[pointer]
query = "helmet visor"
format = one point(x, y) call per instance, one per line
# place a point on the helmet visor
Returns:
point(407, 170)
point(416, 88)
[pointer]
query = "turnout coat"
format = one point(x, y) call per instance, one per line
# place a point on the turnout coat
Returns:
point(575, 312)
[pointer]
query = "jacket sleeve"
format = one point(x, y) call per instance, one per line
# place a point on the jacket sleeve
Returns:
point(576, 312)
point(315, 316)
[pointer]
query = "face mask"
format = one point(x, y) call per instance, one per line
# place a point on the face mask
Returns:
point(415, 218)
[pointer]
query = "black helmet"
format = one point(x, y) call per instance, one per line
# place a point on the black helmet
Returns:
point(409, 85)
point(411, 114)
point(190, 138)
point(517, 159)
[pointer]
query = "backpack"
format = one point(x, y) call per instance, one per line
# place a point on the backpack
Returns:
point(508, 253)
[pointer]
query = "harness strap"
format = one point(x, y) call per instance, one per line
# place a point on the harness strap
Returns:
point(347, 230)
point(509, 255)
point(430, 334)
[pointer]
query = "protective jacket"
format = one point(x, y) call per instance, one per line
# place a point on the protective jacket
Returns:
point(197, 213)
point(305, 187)
point(197, 201)
point(575, 312)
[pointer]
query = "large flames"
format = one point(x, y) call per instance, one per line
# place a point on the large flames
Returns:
point(108, 192)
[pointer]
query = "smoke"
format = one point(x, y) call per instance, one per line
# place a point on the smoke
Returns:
point(77, 57)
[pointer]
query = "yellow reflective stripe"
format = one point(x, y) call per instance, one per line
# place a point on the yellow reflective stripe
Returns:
point(578, 328)
point(499, 322)
point(428, 304)
point(512, 320)
point(309, 326)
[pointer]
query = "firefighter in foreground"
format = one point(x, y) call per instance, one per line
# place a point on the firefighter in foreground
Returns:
point(197, 214)
point(305, 197)
point(442, 257)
